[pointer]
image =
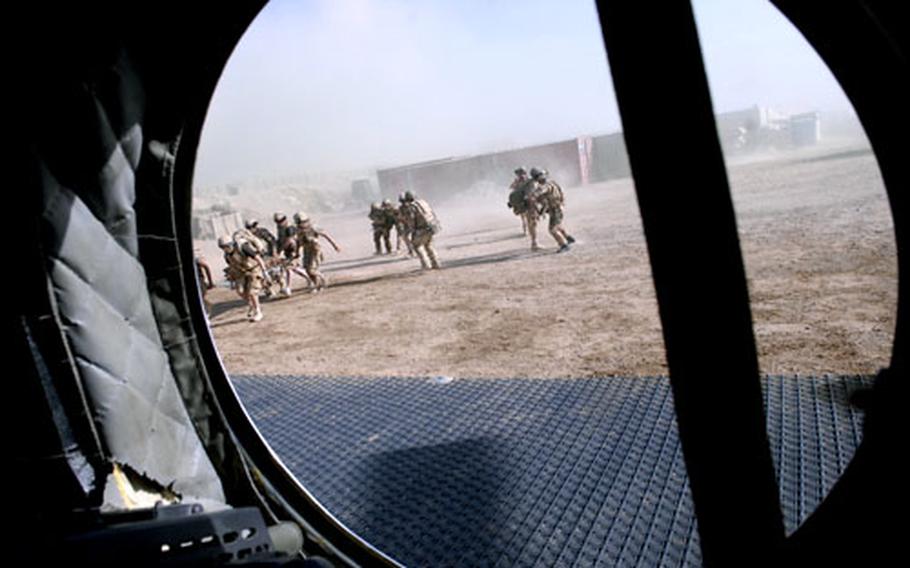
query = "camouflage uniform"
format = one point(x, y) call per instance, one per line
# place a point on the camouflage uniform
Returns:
point(516, 183)
point(206, 282)
point(552, 200)
point(278, 273)
point(391, 220)
point(523, 201)
point(248, 247)
point(286, 239)
point(383, 220)
point(286, 252)
point(251, 245)
point(403, 228)
point(308, 244)
point(232, 272)
point(425, 226)
point(248, 270)
point(266, 236)
point(251, 273)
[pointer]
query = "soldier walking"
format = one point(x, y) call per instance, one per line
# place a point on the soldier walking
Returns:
point(426, 225)
point(521, 177)
point(308, 244)
point(522, 201)
point(284, 232)
point(245, 263)
point(231, 273)
point(383, 220)
point(287, 252)
point(403, 226)
point(250, 243)
point(391, 220)
point(206, 282)
point(552, 201)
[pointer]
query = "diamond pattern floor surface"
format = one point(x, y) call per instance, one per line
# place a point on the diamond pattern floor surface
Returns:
point(530, 472)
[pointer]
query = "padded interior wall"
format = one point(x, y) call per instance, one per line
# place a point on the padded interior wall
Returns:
point(90, 239)
point(103, 111)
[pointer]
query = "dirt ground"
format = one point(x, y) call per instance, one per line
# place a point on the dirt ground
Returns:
point(820, 257)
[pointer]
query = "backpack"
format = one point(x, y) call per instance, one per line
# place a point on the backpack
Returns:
point(517, 200)
point(425, 217)
point(556, 194)
point(249, 244)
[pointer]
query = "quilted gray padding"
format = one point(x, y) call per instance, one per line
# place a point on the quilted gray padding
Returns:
point(101, 293)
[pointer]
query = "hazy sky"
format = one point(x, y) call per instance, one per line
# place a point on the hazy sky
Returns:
point(342, 84)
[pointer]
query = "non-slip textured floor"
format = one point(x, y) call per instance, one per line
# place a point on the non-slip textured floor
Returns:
point(528, 472)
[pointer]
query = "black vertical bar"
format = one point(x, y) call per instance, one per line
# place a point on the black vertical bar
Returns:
point(698, 272)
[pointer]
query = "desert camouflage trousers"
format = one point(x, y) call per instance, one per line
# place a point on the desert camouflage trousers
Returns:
point(381, 235)
point(312, 258)
point(422, 240)
point(404, 234)
point(251, 284)
point(556, 230)
point(532, 219)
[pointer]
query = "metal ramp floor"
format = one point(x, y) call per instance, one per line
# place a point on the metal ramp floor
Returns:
point(530, 472)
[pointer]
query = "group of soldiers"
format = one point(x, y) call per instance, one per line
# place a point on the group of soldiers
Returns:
point(414, 222)
point(261, 262)
point(533, 195)
point(258, 261)
point(384, 217)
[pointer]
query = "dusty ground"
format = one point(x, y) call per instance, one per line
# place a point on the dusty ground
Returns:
point(819, 248)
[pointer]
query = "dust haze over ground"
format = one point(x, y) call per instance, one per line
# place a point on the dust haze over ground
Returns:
point(815, 230)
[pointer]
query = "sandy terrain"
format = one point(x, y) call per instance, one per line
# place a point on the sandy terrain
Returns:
point(815, 228)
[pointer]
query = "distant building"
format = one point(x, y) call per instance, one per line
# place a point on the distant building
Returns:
point(805, 129)
point(762, 128)
point(568, 161)
point(609, 159)
point(587, 159)
point(362, 191)
point(218, 221)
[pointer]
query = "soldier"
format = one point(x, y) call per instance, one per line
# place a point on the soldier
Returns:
point(391, 218)
point(284, 232)
point(522, 201)
point(552, 200)
point(206, 282)
point(382, 226)
point(286, 245)
point(251, 243)
point(403, 226)
point(231, 273)
point(426, 225)
point(308, 244)
point(521, 177)
point(245, 259)
point(263, 234)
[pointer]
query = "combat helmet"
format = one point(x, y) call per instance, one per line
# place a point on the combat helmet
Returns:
point(300, 217)
point(224, 241)
point(279, 217)
point(408, 196)
point(251, 224)
point(386, 203)
point(520, 171)
point(536, 173)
